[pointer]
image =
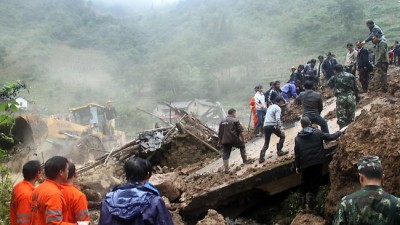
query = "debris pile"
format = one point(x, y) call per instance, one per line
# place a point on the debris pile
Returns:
point(306, 219)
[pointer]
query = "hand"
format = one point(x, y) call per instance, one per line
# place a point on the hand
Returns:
point(297, 170)
point(343, 129)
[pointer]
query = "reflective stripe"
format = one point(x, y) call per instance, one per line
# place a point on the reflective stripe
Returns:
point(48, 212)
point(20, 215)
point(51, 219)
point(23, 221)
point(82, 214)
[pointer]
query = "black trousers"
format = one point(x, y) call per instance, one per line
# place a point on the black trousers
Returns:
point(311, 179)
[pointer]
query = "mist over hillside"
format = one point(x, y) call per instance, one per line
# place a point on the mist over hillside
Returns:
point(74, 52)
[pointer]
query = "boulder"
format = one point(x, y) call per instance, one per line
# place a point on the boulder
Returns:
point(170, 185)
point(212, 218)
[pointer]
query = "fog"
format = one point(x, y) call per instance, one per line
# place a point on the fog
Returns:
point(92, 51)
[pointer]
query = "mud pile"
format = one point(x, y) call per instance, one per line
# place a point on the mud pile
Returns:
point(306, 219)
point(212, 218)
point(375, 132)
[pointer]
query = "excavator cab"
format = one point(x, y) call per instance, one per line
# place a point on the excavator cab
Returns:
point(90, 115)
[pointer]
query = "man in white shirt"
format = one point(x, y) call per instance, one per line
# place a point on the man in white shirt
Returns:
point(351, 59)
point(260, 107)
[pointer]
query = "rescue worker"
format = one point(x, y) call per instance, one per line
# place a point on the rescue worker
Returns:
point(379, 82)
point(48, 204)
point(373, 29)
point(134, 203)
point(230, 134)
point(260, 106)
point(310, 72)
point(351, 59)
point(311, 102)
point(253, 109)
point(20, 204)
point(364, 66)
point(273, 124)
point(346, 92)
point(275, 92)
point(371, 205)
point(309, 159)
point(77, 205)
point(111, 115)
point(320, 80)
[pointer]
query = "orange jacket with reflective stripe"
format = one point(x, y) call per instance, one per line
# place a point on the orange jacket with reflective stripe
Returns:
point(20, 206)
point(77, 205)
point(48, 205)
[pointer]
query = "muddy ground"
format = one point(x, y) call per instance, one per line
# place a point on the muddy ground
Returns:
point(374, 132)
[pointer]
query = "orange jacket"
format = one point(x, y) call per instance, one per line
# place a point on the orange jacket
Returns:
point(77, 205)
point(254, 110)
point(20, 205)
point(48, 205)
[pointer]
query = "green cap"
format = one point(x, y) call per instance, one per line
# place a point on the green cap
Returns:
point(370, 162)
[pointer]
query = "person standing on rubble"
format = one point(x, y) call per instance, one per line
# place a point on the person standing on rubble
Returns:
point(309, 159)
point(230, 134)
point(373, 30)
point(351, 59)
point(311, 102)
point(346, 92)
point(20, 204)
point(273, 124)
point(364, 66)
point(370, 205)
point(253, 109)
point(260, 106)
point(77, 205)
point(379, 82)
point(134, 203)
point(111, 115)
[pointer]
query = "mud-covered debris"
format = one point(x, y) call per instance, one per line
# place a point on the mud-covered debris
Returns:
point(307, 219)
point(212, 218)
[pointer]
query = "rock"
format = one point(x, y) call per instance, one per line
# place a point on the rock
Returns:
point(171, 185)
point(212, 218)
point(306, 219)
point(176, 218)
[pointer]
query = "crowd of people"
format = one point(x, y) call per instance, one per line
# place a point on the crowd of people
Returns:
point(371, 205)
point(58, 201)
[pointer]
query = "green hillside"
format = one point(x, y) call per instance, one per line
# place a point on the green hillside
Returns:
point(70, 53)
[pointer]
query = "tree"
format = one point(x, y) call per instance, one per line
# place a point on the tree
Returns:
point(8, 107)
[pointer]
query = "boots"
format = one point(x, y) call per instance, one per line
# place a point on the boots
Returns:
point(226, 166)
point(262, 154)
point(279, 147)
point(244, 156)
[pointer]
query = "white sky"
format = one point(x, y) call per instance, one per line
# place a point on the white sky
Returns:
point(135, 2)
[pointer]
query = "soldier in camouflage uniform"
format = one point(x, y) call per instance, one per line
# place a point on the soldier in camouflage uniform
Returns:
point(379, 82)
point(370, 205)
point(346, 92)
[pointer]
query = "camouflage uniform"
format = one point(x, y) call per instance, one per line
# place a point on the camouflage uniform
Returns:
point(380, 71)
point(370, 205)
point(345, 87)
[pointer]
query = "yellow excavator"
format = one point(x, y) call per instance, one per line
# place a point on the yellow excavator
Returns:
point(81, 136)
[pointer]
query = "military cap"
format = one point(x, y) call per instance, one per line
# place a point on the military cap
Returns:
point(369, 162)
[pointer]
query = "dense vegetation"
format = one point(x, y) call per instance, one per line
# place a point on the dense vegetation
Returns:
point(195, 49)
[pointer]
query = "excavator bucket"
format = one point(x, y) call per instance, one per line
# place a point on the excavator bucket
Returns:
point(29, 129)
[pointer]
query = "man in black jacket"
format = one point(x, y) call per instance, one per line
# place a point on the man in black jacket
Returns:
point(230, 134)
point(309, 158)
point(311, 102)
point(363, 65)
